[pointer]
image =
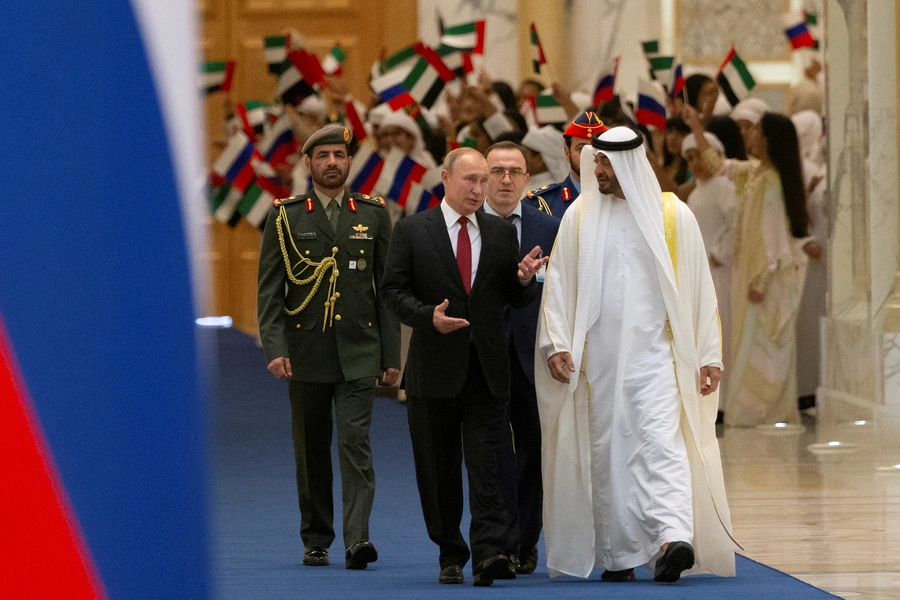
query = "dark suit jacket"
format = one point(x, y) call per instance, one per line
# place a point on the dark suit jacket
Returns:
point(538, 229)
point(364, 337)
point(421, 272)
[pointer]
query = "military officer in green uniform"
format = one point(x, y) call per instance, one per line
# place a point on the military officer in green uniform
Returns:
point(324, 328)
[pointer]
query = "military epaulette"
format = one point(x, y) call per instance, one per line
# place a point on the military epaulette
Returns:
point(532, 193)
point(288, 200)
point(369, 199)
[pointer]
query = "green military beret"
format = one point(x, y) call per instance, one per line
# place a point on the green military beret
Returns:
point(330, 134)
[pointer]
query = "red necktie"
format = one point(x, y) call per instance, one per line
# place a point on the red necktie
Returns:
point(464, 253)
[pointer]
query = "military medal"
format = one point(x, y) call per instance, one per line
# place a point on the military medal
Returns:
point(360, 232)
point(361, 264)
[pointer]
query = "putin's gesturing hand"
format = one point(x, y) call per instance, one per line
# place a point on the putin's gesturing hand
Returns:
point(531, 264)
point(446, 324)
point(560, 366)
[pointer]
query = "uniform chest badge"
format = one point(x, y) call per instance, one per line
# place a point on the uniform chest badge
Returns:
point(360, 232)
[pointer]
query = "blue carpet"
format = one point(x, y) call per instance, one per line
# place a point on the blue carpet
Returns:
point(256, 521)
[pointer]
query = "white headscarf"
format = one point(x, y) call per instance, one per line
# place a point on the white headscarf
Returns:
point(642, 192)
point(690, 143)
point(750, 109)
point(549, 142)
point(405, 122)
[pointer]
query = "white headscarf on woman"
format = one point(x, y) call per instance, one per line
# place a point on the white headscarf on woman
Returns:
point(406, 123)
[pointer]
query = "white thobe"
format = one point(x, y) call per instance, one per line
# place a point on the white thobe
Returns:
point(713, 203)
point(640, 477)
point(568, 453)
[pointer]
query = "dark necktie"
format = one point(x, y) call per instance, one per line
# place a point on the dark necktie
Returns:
point(512, 218)
point(334, 213)
point(464, 253)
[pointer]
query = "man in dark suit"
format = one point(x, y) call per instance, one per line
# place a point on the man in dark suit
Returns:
point(451, 272)
point(327, 248)
point(507, 178)
point(556, 198)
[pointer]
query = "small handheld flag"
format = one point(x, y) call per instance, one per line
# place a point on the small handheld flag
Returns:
point(607, 83)
point(275, 49)
point(797, 31)
point(676, 88)
point(333, 63)
point(217, 76)
point(537, 51)
point(651, 105)
point(549, 111)
point(468, 37)
point(734, 78)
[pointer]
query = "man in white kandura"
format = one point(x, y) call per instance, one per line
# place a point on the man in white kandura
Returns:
point(630, 338)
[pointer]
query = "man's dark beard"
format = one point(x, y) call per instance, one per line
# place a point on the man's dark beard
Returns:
point(319, 179)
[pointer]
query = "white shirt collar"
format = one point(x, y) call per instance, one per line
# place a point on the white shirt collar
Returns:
point(451, 216)
point(516, 211)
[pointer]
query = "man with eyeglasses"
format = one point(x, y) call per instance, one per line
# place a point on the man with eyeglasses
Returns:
point(507, 180)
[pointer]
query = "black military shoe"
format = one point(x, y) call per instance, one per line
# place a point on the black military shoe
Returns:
point(624, 576)
point(527, 561)
point(679, 557)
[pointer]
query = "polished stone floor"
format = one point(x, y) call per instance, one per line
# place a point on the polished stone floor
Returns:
point(820, 502)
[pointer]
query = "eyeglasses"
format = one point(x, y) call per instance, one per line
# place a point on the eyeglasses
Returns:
point(514, 174)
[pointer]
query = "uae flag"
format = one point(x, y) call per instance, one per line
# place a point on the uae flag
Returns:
point(259, 199)
point(405, 57)
point(275, 48)
point(458, 61)
point(223, 203)
point(308, 65)
point(428, 77)
point(734, 78)
point(354, 122)
point(797, 31)
point(651, 105)
point(661, 68)
point(333, 62)
point(606, 84)
point(366, 169)
point(217, 76)
point(292, 88)
point(548, 111)
point(468, 37)
point(537, 51)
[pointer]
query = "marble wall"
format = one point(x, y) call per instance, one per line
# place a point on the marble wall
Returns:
point(706, 29)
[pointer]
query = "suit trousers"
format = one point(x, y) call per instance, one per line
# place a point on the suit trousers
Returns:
point(474, 425)
point(311, 424)
point(526, 426)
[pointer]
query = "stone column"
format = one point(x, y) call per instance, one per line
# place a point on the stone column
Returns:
point(861, 378)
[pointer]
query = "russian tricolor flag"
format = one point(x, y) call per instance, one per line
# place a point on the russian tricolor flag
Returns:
point(366, 168)
point(400, 172)
point(797, 31)
point(606, 84)
point(102, 393)
point(651, 107)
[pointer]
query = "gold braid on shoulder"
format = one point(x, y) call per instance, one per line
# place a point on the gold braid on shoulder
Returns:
point(320, 268)
point(542, 205)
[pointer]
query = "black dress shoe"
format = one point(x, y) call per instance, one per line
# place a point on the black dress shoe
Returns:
point(491, 568)
point(316, 556)
point(624, 576)
point(527, 561)
point(451, 574)
point(679, 557)
point(360, 554)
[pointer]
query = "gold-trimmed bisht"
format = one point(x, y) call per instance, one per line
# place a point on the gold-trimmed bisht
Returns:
point(320, 268)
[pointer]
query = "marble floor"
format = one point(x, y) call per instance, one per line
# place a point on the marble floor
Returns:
point(821, 502)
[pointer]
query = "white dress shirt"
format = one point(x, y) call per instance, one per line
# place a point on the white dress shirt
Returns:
point(451, 218)
point(517, 211)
